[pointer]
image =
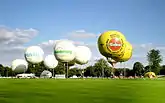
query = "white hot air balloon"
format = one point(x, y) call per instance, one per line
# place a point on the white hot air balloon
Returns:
point(64, 51)
point(19, 65)
point(83, 55)
point(34, 54)
point(50, 62)
point(46, 74)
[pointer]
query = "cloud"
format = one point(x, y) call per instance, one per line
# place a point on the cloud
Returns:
point(81, 34)
point(12, 46)
point(48, 46)
point(17, 36)
point(12, 43)
point(139, 52)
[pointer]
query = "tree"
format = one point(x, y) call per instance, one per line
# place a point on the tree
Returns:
point(60, 68)
point(129, 72)
point(100, 66)
point(147, 69)
point(118, 71)
point(1, 65)
point(162, 70)
point(72, 72)
point(154, 59)
point(89, 71)
point(5, 71)
point(1, 70)
point(107, 71)
point(37, 69)
point(8, 71)
point(138, 68)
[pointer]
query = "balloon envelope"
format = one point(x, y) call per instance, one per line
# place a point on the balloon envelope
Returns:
point(34, 54)
point(150, 75)
point(83, 54)
point(46, 74)
point(50, 61)
point(127, 53)
point(64, 51)
point(19, 66)
point(111, 44)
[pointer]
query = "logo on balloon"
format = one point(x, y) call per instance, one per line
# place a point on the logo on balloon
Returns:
point(61, 51)
point(114, 44)
point(32, 54)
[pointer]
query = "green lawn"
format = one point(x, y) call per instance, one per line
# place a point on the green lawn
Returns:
point(81, 91)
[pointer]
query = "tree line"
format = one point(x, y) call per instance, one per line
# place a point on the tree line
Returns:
point(100, 69)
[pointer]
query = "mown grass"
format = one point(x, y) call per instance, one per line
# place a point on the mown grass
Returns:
point(81, 91)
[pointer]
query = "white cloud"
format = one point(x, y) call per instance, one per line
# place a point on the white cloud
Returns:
point(12, 43)
point(139, 53)
point(81, 34)
point(47, 43)
point(17, 36)
point(12, 46)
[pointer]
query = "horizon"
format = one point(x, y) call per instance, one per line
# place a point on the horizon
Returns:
point(27, 23)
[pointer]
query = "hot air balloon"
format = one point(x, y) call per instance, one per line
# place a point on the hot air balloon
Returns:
point(112, 44)
point(83, 55)
point(64, 51)
point(126, 56)
point(150, 75)
point(34, 54)
point(19, 66)
point(127, 53)
point(46, 74)
point(50, 62)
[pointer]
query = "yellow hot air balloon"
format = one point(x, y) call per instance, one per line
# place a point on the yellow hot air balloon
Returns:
point(127, 53)
point(150, 75)
point(112, 44)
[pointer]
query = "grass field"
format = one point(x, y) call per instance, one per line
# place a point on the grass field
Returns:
point(81, 91)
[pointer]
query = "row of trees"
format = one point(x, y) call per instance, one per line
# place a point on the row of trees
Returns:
point(154, 59)
point(100, 69)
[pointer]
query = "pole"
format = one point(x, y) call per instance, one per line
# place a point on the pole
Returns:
point(112, 73)
point(33, 66)
point(64, 70)
point(124, 70)
point(121, 73)
point(11, 73)
point(67, 70)
point(53, 72)
point(102, 69)
point(24, 71)
point(83, 70)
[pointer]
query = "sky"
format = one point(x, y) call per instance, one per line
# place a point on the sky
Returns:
point(24, 23)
